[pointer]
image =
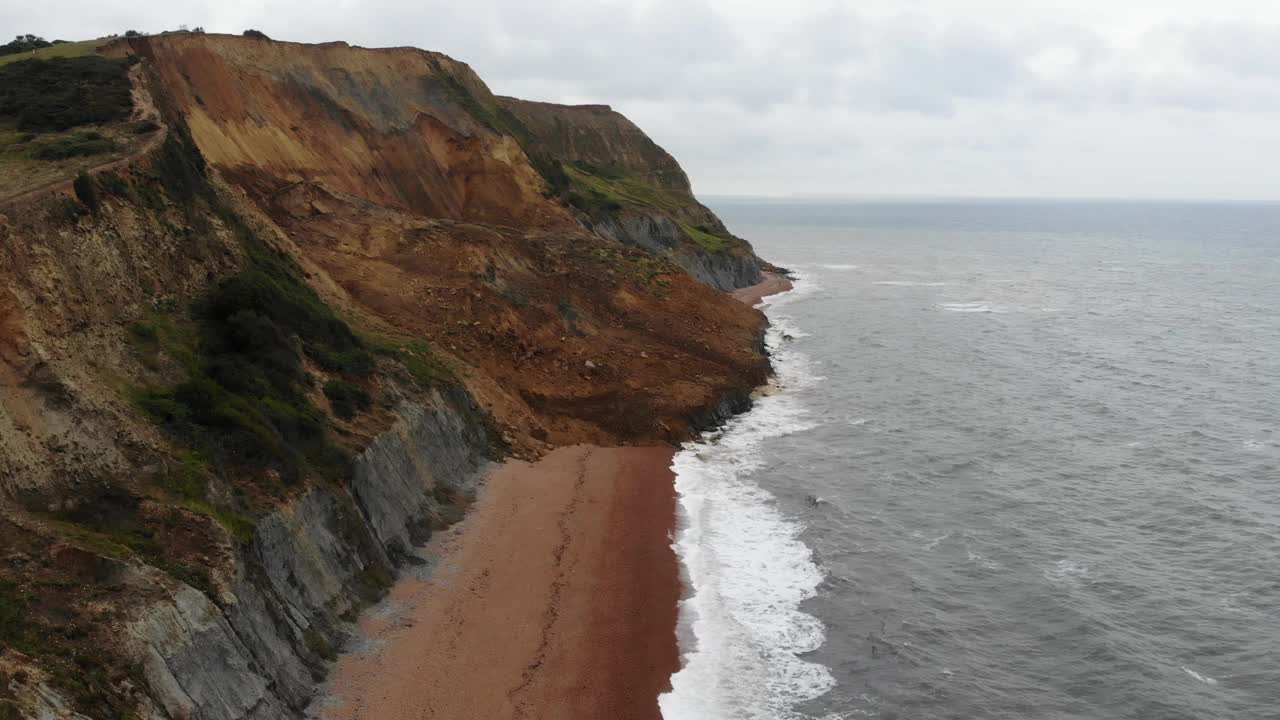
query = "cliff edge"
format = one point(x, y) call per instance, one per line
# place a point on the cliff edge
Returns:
point(265, 318)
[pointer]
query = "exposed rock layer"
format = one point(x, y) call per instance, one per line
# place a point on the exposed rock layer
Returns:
point(310, 567)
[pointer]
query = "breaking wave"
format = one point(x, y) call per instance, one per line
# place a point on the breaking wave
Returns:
point(746, 571)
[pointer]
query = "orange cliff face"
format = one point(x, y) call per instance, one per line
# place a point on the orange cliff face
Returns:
point(389, 203)
point(401, 185)
point(393, 126)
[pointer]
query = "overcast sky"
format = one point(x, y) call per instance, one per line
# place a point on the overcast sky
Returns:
point(1091, 98)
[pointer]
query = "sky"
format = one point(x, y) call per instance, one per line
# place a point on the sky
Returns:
point(1164, 99)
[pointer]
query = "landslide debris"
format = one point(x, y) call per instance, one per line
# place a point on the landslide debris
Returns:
point(262, 323)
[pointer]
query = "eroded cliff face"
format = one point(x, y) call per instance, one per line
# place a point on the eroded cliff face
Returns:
point(399, 127)
point(597, 136)
point(246, 371)
point(420, 131)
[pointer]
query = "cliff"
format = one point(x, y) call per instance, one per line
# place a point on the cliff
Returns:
point(262, 347)
point(422, 132)
point(623, 186)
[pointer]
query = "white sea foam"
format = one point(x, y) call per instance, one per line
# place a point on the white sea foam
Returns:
point(983, 561)
point(745, 568)
point(838, 267)
point(1069, 573)
point(934, 542)
point(969, 307)
point(908, 283)
point(1202, 678)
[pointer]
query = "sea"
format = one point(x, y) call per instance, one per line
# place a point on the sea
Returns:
point(1022, 461)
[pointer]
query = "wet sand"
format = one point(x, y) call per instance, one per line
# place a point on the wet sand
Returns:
point(556, 598)
point(771, 285)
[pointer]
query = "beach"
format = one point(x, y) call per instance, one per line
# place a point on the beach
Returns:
point(555, 598)
point(772, 284)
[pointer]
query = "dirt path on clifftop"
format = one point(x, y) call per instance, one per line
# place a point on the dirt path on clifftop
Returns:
point(64, 183)
point(144, 109)
point(555, 599)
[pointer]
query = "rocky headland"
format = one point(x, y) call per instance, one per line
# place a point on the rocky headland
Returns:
point(270, 317)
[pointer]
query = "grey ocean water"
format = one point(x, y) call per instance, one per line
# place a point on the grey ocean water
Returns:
point(1046, 442)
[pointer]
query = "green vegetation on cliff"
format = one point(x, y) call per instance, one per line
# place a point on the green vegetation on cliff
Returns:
point(708, 240)
point(596, 191)
point(605, 167)
point(246, 402)
point(24, 44)
point(27, 50)
point(12, 607)
point(54, 113)
point(59, 94)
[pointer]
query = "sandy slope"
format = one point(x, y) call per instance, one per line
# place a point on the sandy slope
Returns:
point(771, 285)
point(556, 599)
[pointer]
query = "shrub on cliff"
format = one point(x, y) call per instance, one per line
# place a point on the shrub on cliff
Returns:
point(256, 34)
point(12, 607)
point(62, 93)
point(71, 146)
point(112, 184)
point(346, 399)
point(67, 211)
point(244, 403)
point(250, 384)
point(24, 43)
point(87, 192)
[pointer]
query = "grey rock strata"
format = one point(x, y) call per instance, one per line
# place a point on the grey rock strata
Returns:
point(659, 234)
point(312, 564)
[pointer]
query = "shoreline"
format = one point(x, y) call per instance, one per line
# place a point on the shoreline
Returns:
point(772, 284)
point(557, 597)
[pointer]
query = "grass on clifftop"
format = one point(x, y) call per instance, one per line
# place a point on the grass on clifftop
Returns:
point(58, 50)
point(61, 116)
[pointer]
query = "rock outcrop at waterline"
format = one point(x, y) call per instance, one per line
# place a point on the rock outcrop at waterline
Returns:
point(247, 369)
